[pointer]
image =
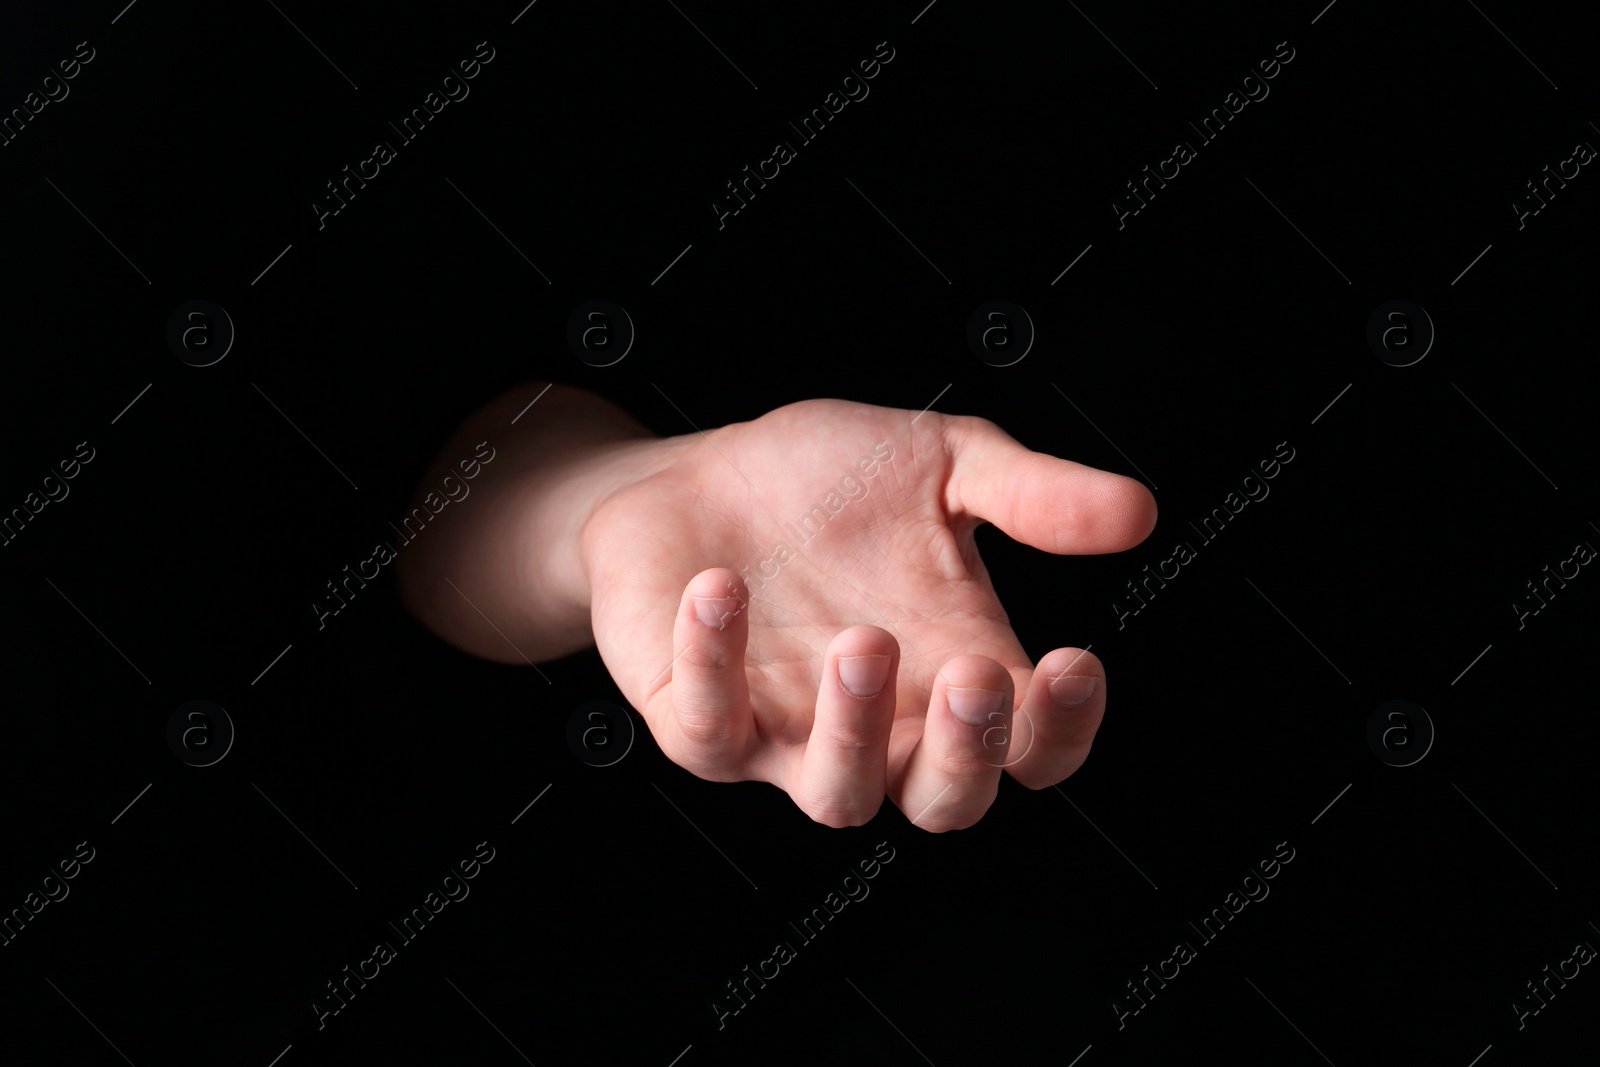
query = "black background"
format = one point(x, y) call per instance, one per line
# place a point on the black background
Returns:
point(1197, 337)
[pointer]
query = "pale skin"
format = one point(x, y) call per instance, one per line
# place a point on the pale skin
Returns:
point(875, 662)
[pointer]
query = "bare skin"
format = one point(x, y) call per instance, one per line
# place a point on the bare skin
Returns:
point(587, 528)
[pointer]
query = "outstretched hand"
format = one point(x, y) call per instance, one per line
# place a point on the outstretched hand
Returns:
point(799, 600)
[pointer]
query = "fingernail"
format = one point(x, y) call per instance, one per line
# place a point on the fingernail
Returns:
point(864, 676)
point(715, 611)
point(974, 706)
point(1070, 690)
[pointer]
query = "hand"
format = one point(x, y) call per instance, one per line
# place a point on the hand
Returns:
point(875, 660)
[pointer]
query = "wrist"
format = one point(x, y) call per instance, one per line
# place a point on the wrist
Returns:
point(510, 582)
point(586, 450)
point(564, 518)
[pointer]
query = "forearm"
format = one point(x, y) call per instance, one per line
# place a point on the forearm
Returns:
point(503, 578)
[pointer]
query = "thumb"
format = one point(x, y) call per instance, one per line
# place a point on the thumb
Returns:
point(1053, 504)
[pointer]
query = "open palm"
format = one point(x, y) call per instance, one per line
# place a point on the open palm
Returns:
point(868, 654)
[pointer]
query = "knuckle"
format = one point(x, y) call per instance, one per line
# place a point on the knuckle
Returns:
point(706, 766)
point(944, 823)
point(703, 725)
point(838, 812)
point(712, 771)
point(1044, 773)
point(856, 729)
point(1035, 779)
point(969, 767)
point(973, 425)
point(709, 658)
point(955, 808)
point(837, 820)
